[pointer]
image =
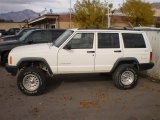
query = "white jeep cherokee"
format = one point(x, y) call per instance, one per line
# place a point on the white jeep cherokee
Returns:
point(120, 52)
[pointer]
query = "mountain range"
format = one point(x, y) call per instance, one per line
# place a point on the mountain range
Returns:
point(19, 16)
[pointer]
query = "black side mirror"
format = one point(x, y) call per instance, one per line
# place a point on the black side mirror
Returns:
point(68, 47)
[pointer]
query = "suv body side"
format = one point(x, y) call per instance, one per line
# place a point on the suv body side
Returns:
point(103, 59)
point(91, 57)
point(122, 53)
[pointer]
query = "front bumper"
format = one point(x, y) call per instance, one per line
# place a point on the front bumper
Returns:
point(146, 66)
point(11, 69)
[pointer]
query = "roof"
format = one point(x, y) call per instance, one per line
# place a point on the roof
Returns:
point(43, 17)
point(107, 30)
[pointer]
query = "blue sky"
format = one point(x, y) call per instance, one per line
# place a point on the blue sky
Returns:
point(40, 5)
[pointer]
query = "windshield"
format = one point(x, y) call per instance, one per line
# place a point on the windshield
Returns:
point(24, 36)
point(22, 32)
point(61, 39)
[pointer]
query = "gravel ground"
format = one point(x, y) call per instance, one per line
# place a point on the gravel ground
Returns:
point(80, 97)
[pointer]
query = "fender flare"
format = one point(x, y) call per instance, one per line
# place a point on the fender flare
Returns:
point(35, 59)
point(126, 59)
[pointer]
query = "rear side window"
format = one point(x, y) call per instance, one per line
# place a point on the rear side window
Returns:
point(108, 40)
point(133, 40)
point(39, 36)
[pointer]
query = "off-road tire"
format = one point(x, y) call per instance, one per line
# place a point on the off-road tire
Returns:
point(35, 74)
point(118, 76)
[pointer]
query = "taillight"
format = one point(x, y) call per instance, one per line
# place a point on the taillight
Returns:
point(150, 56)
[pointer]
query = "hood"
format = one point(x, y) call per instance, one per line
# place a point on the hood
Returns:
point(8, 36)
point(9, 42)
point(35, 48)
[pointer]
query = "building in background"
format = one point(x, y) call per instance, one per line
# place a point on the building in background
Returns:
point(8, 25)
point(50, 21)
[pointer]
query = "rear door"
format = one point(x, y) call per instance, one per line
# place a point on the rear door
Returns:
point(108, 51)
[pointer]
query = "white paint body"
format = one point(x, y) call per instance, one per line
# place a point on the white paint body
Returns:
point(63, 61)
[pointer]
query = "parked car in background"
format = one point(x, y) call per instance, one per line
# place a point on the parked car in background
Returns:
point(31, 37)
point(3, 32)
point(18, 35)
point(13, 31)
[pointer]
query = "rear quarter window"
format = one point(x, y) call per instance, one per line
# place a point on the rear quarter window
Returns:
point(133, 40)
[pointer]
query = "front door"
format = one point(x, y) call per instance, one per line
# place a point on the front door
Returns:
point(78, 55)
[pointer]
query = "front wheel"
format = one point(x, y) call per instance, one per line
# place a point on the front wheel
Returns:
point(31, 81)
point(125, 76)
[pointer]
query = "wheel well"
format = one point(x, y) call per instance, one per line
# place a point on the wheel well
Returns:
point(135, 63)
point(37, 64)
point(2, 56)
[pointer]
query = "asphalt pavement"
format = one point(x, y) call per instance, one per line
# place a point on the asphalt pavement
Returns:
point(80, 97)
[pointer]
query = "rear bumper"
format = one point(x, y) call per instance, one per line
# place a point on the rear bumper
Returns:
point(146, 66)
point(11, 69)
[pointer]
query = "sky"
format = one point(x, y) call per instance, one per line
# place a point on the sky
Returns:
point(40, 5)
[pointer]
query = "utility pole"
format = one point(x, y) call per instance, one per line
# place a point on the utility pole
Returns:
point(108, 13)
point(70, 10)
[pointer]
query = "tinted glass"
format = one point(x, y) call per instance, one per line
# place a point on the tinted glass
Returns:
point(133, 40)
point(39, 36)
point(82, 41)
point(108, 40)
point(36, 36)
point(56, 34)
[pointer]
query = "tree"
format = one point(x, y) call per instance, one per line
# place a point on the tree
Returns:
point(89, 13)
point(138, 12)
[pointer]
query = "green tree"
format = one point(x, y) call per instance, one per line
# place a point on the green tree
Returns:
point(138, 12)
point(89, 13)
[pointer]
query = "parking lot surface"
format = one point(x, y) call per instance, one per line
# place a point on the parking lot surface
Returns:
point(80, 97)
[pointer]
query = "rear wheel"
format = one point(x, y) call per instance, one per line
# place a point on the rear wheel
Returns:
point(31, 81)
point(125, 76)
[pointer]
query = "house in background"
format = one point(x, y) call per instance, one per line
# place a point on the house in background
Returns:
point(50, 21)
point(8, 25)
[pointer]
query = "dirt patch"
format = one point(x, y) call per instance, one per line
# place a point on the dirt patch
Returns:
point(89, 104)
point(100, 94)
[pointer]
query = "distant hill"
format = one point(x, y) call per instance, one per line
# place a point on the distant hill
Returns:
point(156, 5)
point(19, 16)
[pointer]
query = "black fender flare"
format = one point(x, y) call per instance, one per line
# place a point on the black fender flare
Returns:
point(125, 60)
point(35, 59)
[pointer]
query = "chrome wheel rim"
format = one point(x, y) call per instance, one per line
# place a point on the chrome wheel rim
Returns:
point(127, 78)
point(31, 82)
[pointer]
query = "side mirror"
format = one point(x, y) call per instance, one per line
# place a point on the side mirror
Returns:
point(68, 47)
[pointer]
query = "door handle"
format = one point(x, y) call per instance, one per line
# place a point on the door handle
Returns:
point(90, 51)
point(117, 51)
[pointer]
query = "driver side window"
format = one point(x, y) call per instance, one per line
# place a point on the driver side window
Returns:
point(81, 41)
